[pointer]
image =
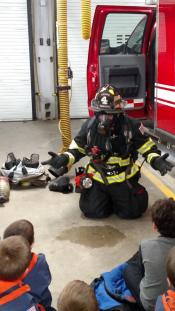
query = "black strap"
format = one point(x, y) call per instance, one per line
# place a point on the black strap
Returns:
point(90, 124)
point(98, 167)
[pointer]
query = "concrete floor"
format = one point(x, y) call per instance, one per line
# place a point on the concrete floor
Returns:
point(75, 247)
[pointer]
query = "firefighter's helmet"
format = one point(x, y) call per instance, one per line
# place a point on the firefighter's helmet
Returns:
point(108, 100)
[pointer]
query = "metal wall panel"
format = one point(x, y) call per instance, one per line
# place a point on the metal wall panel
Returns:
point(15, 79)
point(45, 58)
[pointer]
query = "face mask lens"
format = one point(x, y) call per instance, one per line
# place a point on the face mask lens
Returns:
point(105, 123)
point(105, 117)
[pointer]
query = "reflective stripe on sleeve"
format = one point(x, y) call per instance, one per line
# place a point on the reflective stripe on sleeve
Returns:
point(151, 156)
point(146, 147)
point(74, 145)
point(118, 178)
point(71, 158)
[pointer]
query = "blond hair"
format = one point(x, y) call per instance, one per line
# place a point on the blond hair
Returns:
point(77, 296)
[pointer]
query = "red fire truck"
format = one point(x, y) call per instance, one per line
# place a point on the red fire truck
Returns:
point(142, 65)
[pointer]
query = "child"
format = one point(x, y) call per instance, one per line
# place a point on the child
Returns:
point(145, 274)
point(37, 274)
point(77, 296)
point(167, 301)
point(15, 256)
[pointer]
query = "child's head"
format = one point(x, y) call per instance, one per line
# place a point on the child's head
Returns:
point(77, 296)
point(15, 256)
point(171, 267)
point(163, 216)
point(20, 227)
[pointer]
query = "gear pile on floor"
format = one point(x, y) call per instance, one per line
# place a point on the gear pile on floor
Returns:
point(24, 172)
point(28, 172)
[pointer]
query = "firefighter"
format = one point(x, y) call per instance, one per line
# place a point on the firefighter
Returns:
point(109, 183)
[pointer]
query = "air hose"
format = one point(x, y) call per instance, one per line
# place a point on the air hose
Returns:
point(63, 87)
point(86, 18)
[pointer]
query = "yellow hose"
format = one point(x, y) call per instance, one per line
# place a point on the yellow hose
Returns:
point(86, 18)
point(63, 91)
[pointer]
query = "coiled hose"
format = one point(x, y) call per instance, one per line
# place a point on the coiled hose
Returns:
point(63, 88)
point(86, 18)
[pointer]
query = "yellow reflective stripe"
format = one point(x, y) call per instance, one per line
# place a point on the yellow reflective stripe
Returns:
point(71, 158)
point(146, 147)
point(118, 160)
point(91, 169)
point(116, 178)
point(151, 156)
point(74, 145)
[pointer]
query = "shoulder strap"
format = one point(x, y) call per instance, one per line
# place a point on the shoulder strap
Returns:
point(128, 132)
point(22, 289)
point(30, 266)
point(90, 124)
point(40, 307)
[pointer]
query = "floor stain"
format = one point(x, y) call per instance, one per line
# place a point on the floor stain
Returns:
point(92, 236)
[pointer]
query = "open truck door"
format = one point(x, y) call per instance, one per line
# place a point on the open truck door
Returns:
point(121, 47)
point(165, 78)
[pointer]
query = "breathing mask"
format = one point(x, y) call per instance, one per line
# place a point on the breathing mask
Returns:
point(106, 123)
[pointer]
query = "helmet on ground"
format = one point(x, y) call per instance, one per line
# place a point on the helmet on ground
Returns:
point(108, 100)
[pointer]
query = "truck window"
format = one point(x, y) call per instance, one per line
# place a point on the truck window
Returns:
point(123, 33)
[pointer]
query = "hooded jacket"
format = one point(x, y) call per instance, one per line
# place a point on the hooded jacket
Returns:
point(16, 296)
point(38, 277)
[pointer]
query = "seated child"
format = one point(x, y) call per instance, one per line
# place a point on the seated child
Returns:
point(145, 274)
point(167, 300)
point(37, 274)
point(15, 257)
point(77, 296)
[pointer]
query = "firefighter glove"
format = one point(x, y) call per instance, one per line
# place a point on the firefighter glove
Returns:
point(56, 161)
point(161, 164)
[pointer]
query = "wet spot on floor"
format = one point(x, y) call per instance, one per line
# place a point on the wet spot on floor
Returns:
point(92, 236)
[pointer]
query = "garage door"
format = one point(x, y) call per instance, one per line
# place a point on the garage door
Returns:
point(15, 79)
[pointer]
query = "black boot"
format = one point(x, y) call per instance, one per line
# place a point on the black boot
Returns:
point(61, 184)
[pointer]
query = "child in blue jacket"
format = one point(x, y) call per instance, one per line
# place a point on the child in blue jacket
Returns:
point(37, 274)
point(15, 256)
point(166, 302)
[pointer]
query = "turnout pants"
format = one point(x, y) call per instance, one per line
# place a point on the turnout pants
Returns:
point(127, 199)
